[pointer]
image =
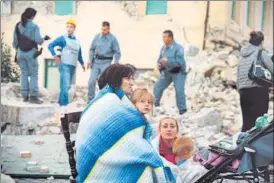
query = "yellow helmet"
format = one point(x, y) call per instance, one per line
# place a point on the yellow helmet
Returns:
point(71, 21)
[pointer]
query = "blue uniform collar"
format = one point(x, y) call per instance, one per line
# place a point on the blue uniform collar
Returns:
point(70, 36)
point(30, 22)
point(106, 36)
point(171, 46)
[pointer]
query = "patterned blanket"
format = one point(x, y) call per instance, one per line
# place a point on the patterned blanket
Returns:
point(112, 143)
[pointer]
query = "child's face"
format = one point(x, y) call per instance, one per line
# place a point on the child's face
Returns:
point(185, 154)
point(144, 106)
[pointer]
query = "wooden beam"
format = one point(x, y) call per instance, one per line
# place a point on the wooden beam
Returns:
point(206, 23)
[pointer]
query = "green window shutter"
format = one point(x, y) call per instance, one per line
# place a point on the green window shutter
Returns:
point(156, 7)
point(248, 12)
point(233, 10)
point(64, 7)
point(52, 76)
point(263, 14)
point(49, 65)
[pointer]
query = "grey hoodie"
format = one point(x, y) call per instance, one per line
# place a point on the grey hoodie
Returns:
point(249, 54)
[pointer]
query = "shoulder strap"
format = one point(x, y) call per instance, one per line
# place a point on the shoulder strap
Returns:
point(259, 57)
point(17, 30)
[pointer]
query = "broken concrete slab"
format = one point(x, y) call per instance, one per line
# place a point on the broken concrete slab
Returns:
point(191, 50)
point(6, 179)
point(206, 117)
point(54, 130)
point(232, 60)
point(25, 113)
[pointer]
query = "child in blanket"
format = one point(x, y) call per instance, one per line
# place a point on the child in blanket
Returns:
point(143, 100)
point(183, 149)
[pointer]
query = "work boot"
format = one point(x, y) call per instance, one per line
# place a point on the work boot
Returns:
point(182, 112)
point(26, 99)
point(35, 100)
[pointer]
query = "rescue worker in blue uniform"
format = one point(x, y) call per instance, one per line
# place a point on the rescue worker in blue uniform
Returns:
point(172, 66)
point(70, 53)
point(103, 50)
point(26, 38)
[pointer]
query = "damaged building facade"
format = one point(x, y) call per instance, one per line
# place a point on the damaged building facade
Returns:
point(213, 102)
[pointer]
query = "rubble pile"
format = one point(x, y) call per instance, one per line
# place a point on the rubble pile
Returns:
point(27, 119)
point(212, 97)
point(130, 7)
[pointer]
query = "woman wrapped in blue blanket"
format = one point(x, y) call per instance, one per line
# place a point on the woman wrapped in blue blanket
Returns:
point(112, 141)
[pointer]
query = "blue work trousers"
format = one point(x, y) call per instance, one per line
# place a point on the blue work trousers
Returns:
point(179, 83)
point(96, 70)
point(29, 69)
point(67, 73)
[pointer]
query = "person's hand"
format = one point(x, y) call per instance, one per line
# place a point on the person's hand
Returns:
point(164, 61)
point(46, 38)
point(89, 65)
point(159, 66)
point(84, 68)
point(57, 60)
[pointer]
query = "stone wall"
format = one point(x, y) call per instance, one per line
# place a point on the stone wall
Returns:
point(43, 7)
point(130, 7)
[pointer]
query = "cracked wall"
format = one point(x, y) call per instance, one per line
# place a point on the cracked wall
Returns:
point(43, 7)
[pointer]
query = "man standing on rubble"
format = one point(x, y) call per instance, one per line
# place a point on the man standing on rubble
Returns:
point(102, 50)
point(172, 66)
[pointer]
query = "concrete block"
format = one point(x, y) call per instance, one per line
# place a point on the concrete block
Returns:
point(25, 154)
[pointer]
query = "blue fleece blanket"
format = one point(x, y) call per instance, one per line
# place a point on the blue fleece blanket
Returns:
point(112, 143)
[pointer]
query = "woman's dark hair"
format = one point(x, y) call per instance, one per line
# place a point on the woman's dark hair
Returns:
point(256, 38)
point(134, 69)
point(28, 14)
point(113, 76)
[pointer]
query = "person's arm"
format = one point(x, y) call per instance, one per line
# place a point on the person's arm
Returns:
point(60, 41)
point(92, 49)
point(116, 50)
point(178, 60)
point(37, 36)
point(267, 62)
point(80, 58)
point(160, 57)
